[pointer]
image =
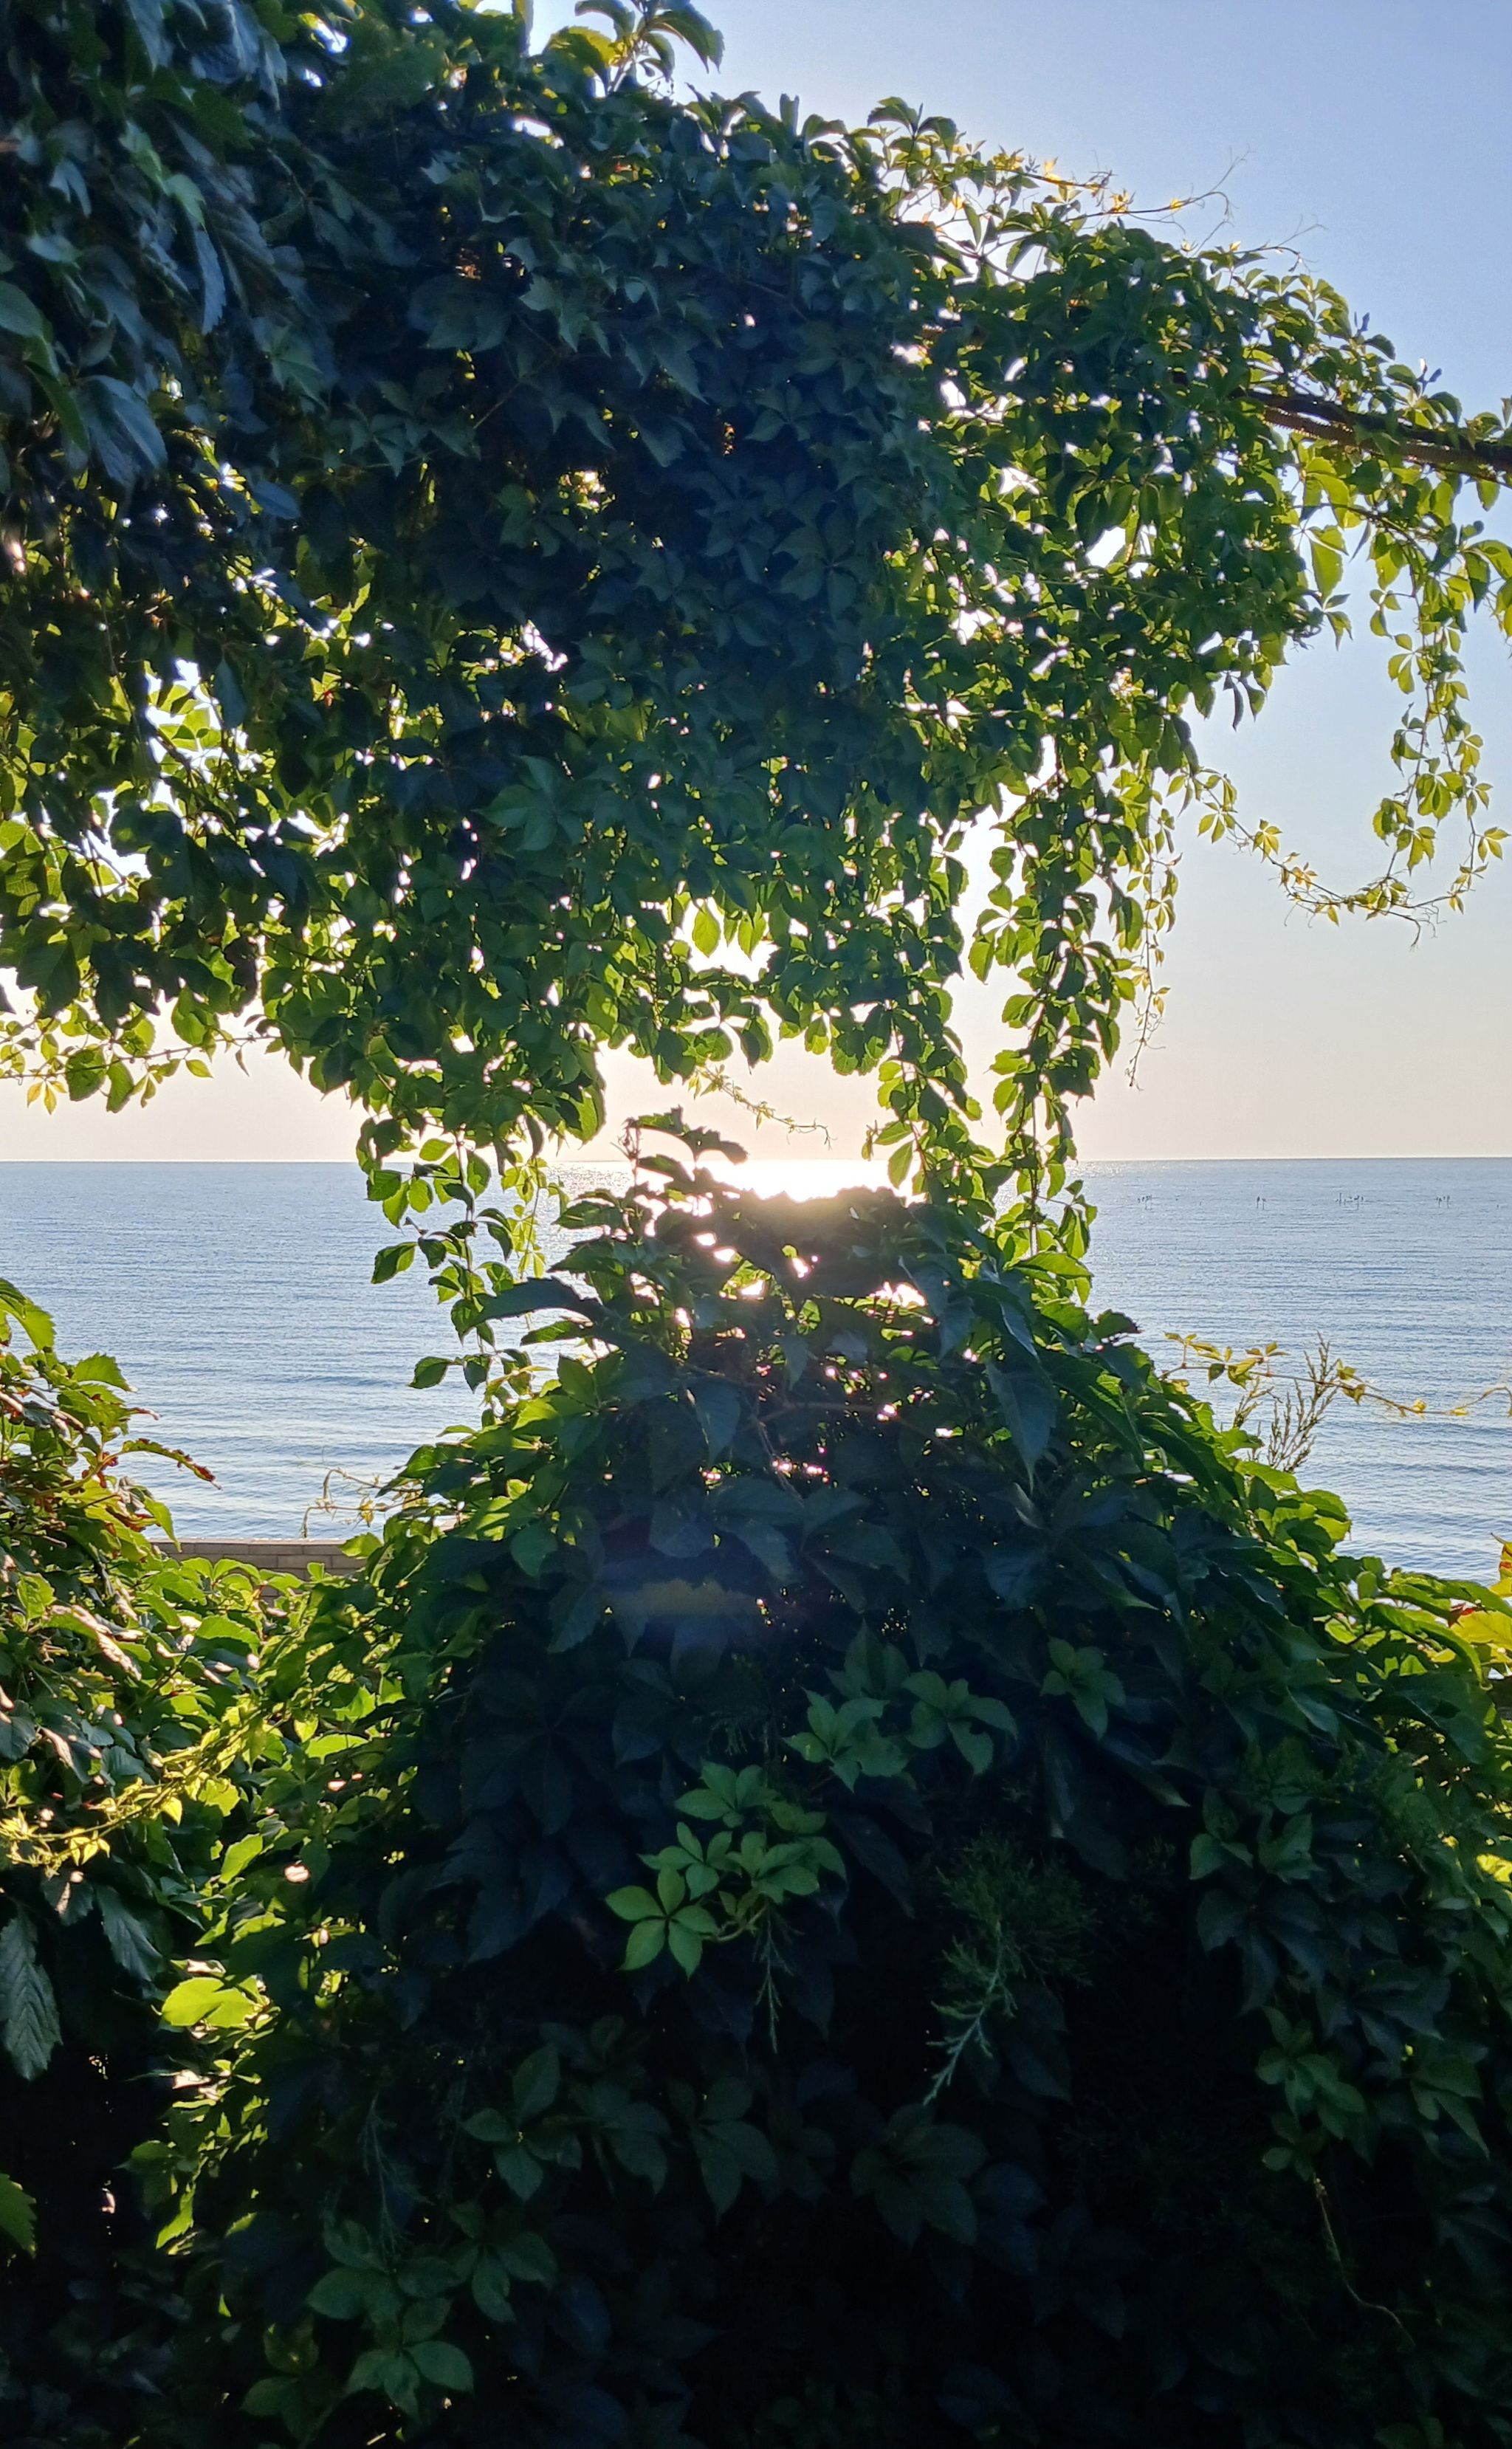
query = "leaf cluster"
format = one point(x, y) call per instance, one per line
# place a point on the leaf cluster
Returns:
point(145, 1705)
point(507, 562)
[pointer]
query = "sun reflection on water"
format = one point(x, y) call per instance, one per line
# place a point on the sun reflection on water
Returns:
point(769, 1177)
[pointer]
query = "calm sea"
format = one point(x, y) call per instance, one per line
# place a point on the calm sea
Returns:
point(1404, 1265)
point(237, 1298)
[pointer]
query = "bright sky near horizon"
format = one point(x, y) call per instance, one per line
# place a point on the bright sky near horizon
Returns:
point(1371, 135)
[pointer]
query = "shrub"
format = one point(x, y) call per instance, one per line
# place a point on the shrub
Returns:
point(129, 1732)
point(901, 1888)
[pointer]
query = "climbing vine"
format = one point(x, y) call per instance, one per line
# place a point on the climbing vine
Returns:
point(914, 1890)
point(508, 563)
point(854, 1865)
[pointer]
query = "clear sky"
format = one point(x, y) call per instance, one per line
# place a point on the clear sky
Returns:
point(1373, 135)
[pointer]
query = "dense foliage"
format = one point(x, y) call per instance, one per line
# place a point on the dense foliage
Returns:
point(129, 1733)
point(903, 1889)
point(507, 562)
point(854, 1868)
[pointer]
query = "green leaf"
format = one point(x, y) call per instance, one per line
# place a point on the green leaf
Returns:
point(520, 2169)
point(532, 1547)
point(644, 1945)
point(125, 1936)
point(488, 2126)
point(491, 2290)
point(236, 1857)
point(206, 1999)
point(537, 1292)
point(536, 2083)
point(1027, 1402)
point(718, 1408)
point(528, 2257)
point(28, 2014)
point(348, 2243)
point(17, 2214)
point(121, 427)
point(391, 2375)
point(98, 1369)
point(634, 1904)
point(18, 313)
point(442, 2363)
point(1208, 1856)
point(973, 1747)
point(33, 1322)
point(268, 2396)
point(341, 2295)
point(424, 2316)
point(685, 1943)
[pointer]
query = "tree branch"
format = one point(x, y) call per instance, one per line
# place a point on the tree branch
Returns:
point(1450, 448)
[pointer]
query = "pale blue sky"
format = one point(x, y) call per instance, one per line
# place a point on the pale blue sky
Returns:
point(1372, 135)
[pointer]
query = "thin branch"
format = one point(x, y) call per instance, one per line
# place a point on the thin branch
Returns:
point(1450, 448)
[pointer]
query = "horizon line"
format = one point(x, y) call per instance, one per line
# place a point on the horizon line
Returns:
point(586, 1156)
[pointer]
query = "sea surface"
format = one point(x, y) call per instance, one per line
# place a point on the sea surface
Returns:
point(237, 1299)
point(1404, 1266)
